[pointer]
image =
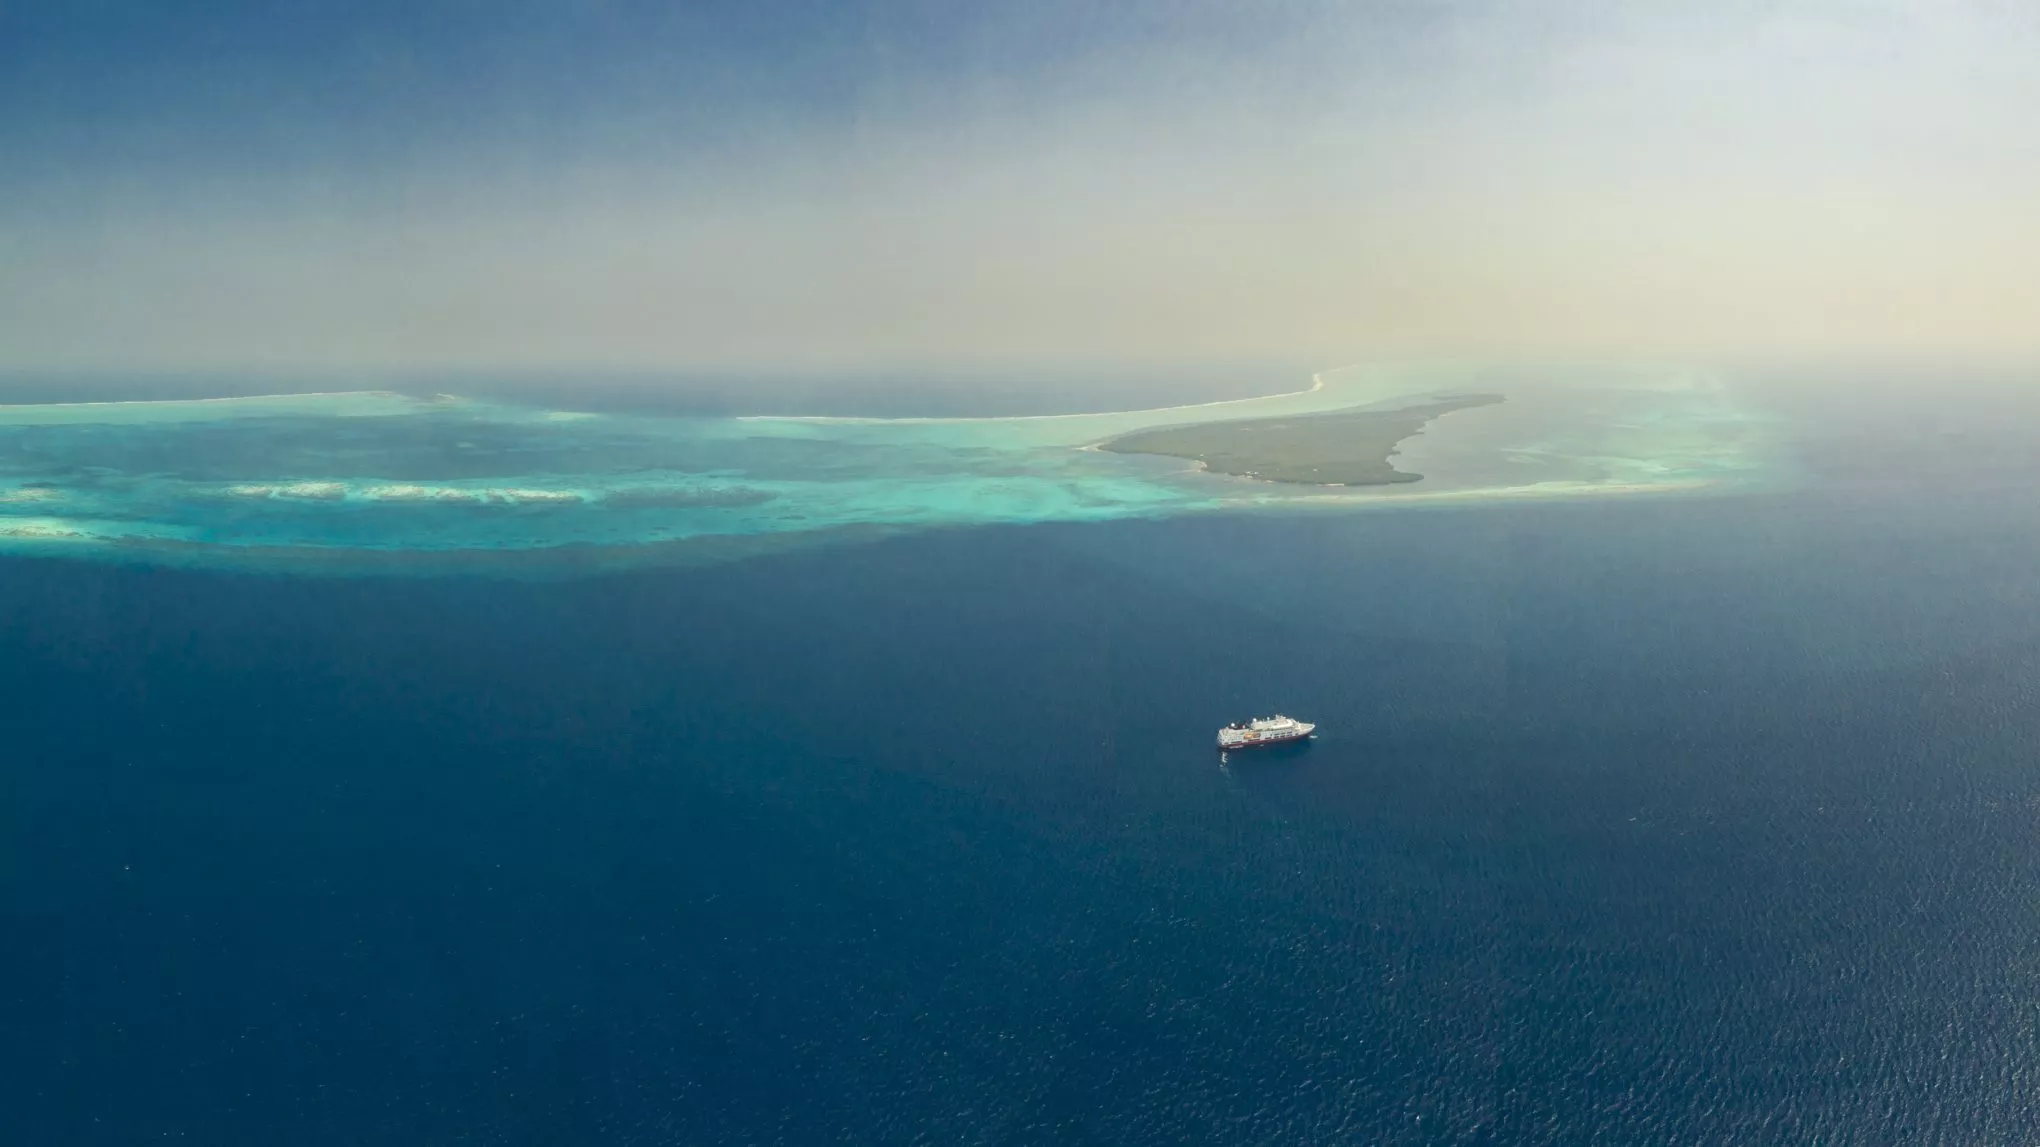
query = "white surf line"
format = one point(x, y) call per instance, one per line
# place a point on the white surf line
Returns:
point(1317, 383)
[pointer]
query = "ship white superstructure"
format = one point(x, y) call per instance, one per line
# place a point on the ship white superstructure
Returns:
point(1276, 730)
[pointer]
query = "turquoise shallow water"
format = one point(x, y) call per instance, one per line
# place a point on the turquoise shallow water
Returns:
point(389, 481)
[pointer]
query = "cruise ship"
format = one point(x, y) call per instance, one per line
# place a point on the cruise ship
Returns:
point(1276, 730)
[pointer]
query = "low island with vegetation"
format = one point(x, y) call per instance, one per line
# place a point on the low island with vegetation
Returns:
point(1335, 448)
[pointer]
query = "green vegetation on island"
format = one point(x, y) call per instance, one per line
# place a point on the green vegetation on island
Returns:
point(1336, 448)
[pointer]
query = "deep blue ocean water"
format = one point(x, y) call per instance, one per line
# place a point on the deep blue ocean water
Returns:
point(1667, 820)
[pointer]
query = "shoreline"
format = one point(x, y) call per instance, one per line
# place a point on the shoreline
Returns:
point(1317, 384)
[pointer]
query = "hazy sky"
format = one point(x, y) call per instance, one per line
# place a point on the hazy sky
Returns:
point(392, 184)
